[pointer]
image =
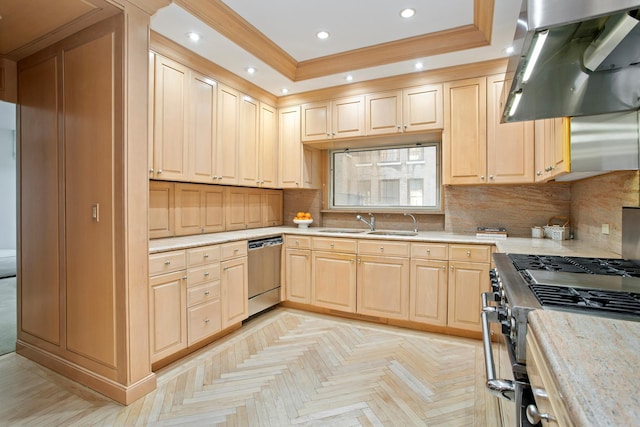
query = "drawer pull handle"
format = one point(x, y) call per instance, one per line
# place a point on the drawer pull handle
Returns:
point(184, 277)
point(206, 293)
point(206, 321)
point(468, 253)
point(206, 255)
point(444, 267)
point(381, 248)
point(428, 251)
point(235, 251)
point(167, 263)
point(451, 268)
point(331, 245)
point(206, 274)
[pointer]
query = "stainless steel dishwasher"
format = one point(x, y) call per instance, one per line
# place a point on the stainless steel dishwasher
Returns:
point(264, 273)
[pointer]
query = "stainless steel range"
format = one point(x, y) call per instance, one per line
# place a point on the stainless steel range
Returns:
point(521, 283)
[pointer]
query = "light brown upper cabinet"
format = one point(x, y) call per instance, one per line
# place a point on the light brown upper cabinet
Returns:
point(203, 143)
point(198, 209)
point(248, 142)
point(339, 118)
point(410, 110)
point(161, 209)
point(464, 139)
point(258, 162)
point(510, 146)
point(272, 208)
point(299, 165)
point(552, 148)
point(229, 101)
point(243, 208)
point(170, 120)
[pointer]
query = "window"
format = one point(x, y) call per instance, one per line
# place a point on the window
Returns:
point(386, 178)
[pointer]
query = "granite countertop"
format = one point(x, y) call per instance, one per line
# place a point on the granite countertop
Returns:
point(597, 369)
point(510, 244)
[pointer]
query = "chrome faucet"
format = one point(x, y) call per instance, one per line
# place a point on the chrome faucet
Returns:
point(415, 223)
point(371, 223)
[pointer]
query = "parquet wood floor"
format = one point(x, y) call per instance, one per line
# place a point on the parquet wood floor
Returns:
point(284, 368)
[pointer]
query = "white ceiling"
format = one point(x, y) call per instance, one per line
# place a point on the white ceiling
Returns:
point(292, 25)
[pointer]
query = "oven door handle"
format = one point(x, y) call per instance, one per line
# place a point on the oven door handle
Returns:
point(504, 389)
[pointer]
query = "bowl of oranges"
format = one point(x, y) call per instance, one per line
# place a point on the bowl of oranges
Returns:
point(303, 219)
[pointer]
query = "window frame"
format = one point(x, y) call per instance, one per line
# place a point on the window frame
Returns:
point(437, 209)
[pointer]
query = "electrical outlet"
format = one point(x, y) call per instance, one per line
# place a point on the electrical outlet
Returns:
point(605, 228)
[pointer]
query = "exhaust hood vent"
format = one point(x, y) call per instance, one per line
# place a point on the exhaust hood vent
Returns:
point(589, 62)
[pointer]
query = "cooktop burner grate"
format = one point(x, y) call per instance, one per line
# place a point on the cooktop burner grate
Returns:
point(581, 298)
point(605, 266)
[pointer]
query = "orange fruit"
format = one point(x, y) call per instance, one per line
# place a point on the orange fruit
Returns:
point(300, 215)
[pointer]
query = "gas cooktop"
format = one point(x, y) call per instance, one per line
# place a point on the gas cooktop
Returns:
point(603, 266)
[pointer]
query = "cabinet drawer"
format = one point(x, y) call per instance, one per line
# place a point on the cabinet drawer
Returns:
point(383, 247)
point(203, 320)
point(298, 242)
point(334, 245)
point(429, 251)
point(234, 249)
point(166, 262)
point(206, 292)
point(206, 273)
point(201, 256)
point(475, 253)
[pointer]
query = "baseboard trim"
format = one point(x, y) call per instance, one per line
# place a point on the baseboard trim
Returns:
point(119, 392)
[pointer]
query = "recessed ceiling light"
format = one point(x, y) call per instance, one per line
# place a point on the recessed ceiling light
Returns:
point(407, 13)
point(322, 35)
point(285, 90)
point(349, 77)
point(194, 37)
point(251, 70)
point(419, 65)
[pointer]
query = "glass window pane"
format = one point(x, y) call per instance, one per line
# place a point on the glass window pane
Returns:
point(387, 177)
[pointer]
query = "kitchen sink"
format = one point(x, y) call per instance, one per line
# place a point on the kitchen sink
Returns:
point(342, 231)
point(392, 233)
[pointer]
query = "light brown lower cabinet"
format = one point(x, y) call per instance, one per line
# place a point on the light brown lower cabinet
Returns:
point(467, 281)
point(167, 314)
point(333, 281)
point(298, 275)
point(428, 291)
point(383, 286)
point(234, 285)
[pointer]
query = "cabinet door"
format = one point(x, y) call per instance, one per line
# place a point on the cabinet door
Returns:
point(161, 209)
point(467, 281)
point(422, 108)
point(290, 158)
point(171, 128)
point(228, 135)
point(347, 117)
point(248, 142)
point(383, 287)
point(234, 291)
point(204, 320)
point(333, 281)
point(298, 275)
point(235, 216)
point(167, 315)
point(464, 140)
point(510, 146)
point(253, 208)
point(268, 157)
point(272, 208)
point(383, 113)
point(316, 121)
point(202, 146)
point(188, 209)
point(428, 292)
point(212, 215)
point(551, 148)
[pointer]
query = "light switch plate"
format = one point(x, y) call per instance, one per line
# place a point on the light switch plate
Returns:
point(605, 228)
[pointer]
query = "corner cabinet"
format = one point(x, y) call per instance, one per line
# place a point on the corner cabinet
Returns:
point(464, 139)
point(299, 165)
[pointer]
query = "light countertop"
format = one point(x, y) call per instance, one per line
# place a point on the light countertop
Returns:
point(595, 363)
point(510, 244)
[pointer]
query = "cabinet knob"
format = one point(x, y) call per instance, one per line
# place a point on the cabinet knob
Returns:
point(206, 321)
point(352, 261)
point(451, 268)
point(235, 251)
point(381, 248)
point(428, 251)
point(206, 293)
point(184, 277)
point(444, 267)
point(468, 253)
point(359, 260)
point(206, 255)
point(490, 176)
point(405, 126)
point(399, 127)
point(539, 173)
point(297, 242)
point(482, 177)
point(159, 171)
point(206, 274)
point(167, 263)
point(151, 170)
point(331, 245)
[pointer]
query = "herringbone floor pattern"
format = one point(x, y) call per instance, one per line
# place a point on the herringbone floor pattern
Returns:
point(285, 368)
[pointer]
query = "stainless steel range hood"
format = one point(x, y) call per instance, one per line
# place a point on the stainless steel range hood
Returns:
point(589, 63)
